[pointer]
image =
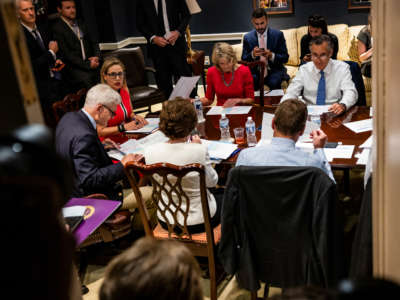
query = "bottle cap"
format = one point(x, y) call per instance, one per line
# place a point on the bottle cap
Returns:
point(223, 115)
point(249, 118)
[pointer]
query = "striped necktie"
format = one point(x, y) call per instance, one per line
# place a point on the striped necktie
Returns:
point(321, 92)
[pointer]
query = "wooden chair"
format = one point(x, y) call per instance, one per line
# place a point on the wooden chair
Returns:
point(166, 180)
point(71, 102)
point(261, 66)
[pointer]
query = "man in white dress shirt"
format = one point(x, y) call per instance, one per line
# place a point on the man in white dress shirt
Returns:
point(324, 80)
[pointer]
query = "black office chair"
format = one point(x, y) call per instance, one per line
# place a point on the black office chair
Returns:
point(357, 78)
point(142, 95)
point(281, 226)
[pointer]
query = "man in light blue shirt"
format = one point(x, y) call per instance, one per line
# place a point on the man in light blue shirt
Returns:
point(288, 125)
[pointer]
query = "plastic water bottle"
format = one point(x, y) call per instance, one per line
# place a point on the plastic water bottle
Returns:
point(251, 132)
point(224, 127)
point(199, 109)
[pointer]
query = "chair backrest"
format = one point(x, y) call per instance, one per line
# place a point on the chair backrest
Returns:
point(261, 67)
point(71, 102)
point(358, 80)
point(133, 60)
point(169, 197)
point(281, 225)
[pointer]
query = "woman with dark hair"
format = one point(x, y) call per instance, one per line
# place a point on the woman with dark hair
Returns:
point(153, 269)
point(35, 184)
point(365, 48)
point(317, 26)
point(177, 120)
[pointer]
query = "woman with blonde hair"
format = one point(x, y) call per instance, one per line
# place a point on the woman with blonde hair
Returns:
point(113, 74)
point(231, 82)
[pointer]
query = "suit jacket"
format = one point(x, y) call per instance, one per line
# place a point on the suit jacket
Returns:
point(42, 60)
point(281, 225)
point(70, 46)
point(94, 172)
point(275, 42)
point(147, 22)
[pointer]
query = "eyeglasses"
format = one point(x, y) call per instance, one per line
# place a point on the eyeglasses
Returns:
point(114, 75)
point(321, 57)
point(113, 114)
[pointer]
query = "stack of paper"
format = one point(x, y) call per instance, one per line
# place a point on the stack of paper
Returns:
point(360, 126)
point(235, 110)
point(317, 110)
point(219, 150)
point(150, 127)
point(367, 143)
point(363, 157)
point(137, 146)
point(184, 87)
point(341, 151)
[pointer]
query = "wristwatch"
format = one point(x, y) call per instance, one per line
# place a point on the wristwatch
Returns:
point(121, 128)
point(344, 106)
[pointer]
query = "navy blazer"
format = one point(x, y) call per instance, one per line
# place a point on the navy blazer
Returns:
point(94, 172)
point(275, 42)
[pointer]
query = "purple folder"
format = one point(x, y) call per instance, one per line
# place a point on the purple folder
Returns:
point(97, 211)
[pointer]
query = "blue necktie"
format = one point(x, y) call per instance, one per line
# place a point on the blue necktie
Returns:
point(321, 92)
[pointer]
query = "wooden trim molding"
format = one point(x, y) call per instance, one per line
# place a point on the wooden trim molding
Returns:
point(214, 37)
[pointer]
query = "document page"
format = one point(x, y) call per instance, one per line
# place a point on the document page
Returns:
point(317, 110)
point(341, 151)
point(278, 92)
point(150, 127)
point(360, 126)
point(363, 157)
point(266, 129)
point(235, 110)
point(367, 143)
point(183, 87)
point(219, 150)
point(137, 146)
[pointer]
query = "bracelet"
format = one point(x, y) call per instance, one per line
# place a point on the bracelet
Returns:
point(121, 128)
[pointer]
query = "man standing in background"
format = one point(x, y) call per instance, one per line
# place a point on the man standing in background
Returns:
point(163, 24)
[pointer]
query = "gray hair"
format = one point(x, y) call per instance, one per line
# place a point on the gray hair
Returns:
point(319, 40)
point(102, 94)
point(18, 3)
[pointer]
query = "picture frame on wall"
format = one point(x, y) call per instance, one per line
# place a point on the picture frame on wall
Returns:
point(275, 6)
point(359, 4)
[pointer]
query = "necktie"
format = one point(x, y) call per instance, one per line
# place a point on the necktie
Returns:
point(38, 39)
point(160, 18)
point(261, 44)
point(321, 92)
point(79, 35)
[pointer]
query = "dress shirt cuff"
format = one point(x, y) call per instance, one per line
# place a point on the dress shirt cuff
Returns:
point(272, 57)
point(53, 54)
point(151, 39)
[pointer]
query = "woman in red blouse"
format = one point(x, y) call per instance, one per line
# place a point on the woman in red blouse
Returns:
point(231, 82)
point(113, 73)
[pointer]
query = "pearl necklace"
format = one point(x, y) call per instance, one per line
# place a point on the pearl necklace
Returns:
point(230, 83)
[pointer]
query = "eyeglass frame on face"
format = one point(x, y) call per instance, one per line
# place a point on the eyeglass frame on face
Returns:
point(320, 57)
point(114, 75)
point(113, 114)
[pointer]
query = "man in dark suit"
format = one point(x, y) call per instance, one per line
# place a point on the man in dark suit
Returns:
point(80, 52)
point(77, 142)
point(265, 43)
point(43, 53)
point(163, 24)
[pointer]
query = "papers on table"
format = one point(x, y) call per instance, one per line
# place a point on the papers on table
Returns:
point(363, 157)
point(184, 87)
point(153, 125)
point(360, 126)
point(235, 110)
point(137, 146)
point(367, 143)
point(317, 110)
point(341, 151)
point(219, 150)
point(278, 92)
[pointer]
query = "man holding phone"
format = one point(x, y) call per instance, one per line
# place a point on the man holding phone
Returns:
point(269, 45)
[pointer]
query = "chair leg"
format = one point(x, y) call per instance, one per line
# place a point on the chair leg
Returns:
point(266, 291)
point(213, 281)
point(254, 295)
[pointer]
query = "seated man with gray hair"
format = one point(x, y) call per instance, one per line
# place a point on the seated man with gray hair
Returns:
point(324, 80)
point(77, 142)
